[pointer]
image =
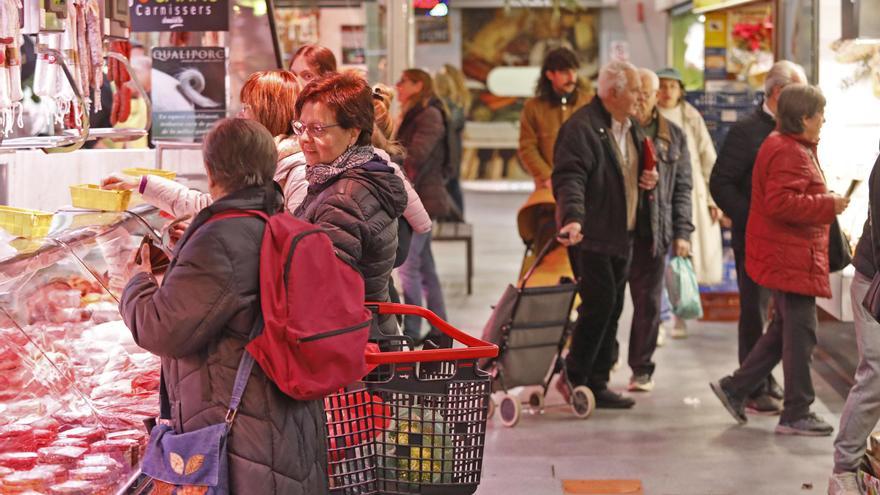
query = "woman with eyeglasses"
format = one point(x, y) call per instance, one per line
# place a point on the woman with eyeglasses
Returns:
point(423, 133)
point(267, 97)
point(353, 193)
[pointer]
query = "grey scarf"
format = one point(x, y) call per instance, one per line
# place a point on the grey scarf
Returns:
point(353, 157)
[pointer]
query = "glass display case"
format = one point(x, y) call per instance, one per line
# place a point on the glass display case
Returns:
point(75, 389)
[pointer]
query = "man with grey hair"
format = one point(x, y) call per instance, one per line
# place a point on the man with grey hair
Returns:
point(670, 211)
point(598, 180)
point(731, 187)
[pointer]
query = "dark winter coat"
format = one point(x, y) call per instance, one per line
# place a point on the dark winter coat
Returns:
point(731, 179)
point(423, 133)
point(588, 182)
point(456, 122)
point(199, 321)
point(868, 249)
point(789, 218)
point(670, 202)
point(359, 210)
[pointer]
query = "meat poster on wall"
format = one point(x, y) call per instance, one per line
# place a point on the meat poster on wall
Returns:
point(179, 15)
point(189, 91)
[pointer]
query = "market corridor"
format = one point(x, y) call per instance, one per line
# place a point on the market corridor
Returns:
point(678, 440)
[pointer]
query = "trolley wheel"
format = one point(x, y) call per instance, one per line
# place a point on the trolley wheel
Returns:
point(536, 402)
point(510, 409)
point(491, 408)
point(583, 402)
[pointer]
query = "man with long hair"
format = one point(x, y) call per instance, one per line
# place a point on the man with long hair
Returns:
point(558, 95)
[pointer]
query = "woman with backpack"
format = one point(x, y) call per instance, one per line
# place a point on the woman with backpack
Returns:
point(353, 193)
point(201, 317)
point(423, 133)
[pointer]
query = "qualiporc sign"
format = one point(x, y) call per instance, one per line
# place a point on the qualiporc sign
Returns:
point(179, 15)
point(189, 91)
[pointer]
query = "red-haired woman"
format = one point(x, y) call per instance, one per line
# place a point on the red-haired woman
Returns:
point(311, 62)
point(353, 194)
point(423, 133)
point(267, 97)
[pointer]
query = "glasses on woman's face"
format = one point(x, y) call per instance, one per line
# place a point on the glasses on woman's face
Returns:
point(315, 130)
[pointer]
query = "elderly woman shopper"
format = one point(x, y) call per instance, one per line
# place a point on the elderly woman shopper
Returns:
point(787, 240)
point(706, 249)
point(353, 193)
point(199, 320)
point(267, 97)
point(422, 132)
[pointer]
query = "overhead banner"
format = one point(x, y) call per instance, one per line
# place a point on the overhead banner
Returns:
point(179, 15)
point(189, 91)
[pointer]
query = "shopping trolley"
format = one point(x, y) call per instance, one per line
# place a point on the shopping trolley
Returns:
point(416, 424)
point(531, 326)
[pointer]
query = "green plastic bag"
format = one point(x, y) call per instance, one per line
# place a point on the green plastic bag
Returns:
point(684, 292)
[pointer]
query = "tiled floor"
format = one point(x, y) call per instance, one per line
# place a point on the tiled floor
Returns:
point(677, 440)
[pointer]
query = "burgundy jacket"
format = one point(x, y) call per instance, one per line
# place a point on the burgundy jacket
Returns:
point(791, 210)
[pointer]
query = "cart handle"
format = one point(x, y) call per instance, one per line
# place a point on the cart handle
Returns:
point(476, 348)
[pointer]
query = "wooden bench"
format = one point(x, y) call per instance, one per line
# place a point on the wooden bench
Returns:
point(461, 232)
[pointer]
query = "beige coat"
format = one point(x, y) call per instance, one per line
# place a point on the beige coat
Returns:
point(539, 124)
point(706, 239)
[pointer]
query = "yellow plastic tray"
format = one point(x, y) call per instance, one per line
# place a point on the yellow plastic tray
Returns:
point(137, 172)
point(92, 197)
point(22, 222)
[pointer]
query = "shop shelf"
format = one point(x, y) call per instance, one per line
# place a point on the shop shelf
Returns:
point(92, 197)
point(22, 222)
point(137, 172)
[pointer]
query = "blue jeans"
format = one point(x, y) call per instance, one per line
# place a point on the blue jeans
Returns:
point(418, 276)
point(862, 409)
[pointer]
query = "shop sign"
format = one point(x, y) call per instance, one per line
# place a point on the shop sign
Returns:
point(189, 91)
point(431, 30)
point(179, 15)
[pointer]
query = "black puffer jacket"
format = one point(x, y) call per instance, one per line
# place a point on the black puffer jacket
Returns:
point(731, 179)
point(423, 133)
point(198, 321)
point(359, 210)
point(867, 255)
point(587, 180)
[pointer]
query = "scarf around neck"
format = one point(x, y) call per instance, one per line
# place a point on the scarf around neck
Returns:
point(353, 157)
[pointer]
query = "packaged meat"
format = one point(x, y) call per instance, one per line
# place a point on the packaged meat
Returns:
point(124, 450)
point(4, 471)
point(64, 456)
point(101, 460)
point(17, 438)
point(90, 434)
point(43, 438)
point(59, 473)
point(97, 474)
point(21, 481)
point(19, 461)
point(70, 442)
point(72, 487)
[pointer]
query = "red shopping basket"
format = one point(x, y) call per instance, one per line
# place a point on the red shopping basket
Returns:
point(417, 422)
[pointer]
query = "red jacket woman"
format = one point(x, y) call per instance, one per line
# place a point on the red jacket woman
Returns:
point(791, 210)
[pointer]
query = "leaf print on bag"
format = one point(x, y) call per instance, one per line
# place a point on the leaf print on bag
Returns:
point(194, 464)
point(176, 462)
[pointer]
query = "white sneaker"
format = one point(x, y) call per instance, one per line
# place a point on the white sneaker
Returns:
point(661, 336)
point(844, 484)
point(679, 330)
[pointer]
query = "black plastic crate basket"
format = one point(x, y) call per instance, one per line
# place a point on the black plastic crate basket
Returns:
point(417, 423)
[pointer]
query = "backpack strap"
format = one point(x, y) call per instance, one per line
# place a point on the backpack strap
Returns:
point(238, 214)
point(245, 366)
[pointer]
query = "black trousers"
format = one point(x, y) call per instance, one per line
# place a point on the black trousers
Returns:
point(753, 302)
point(646, 289)
point(601, 285)
point(791, 337)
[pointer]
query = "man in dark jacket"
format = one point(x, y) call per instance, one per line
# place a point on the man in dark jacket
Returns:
point(666, 220)
point(199, 320)
point(597, 178)
point(731, 187)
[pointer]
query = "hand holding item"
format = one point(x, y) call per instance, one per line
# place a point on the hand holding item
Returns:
point(715, 213)
point(120, 182)
point(140, 262)
point(570, 234)
point(840, 203)
point(648, 179)
point(681, 247)
point(173, 231)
